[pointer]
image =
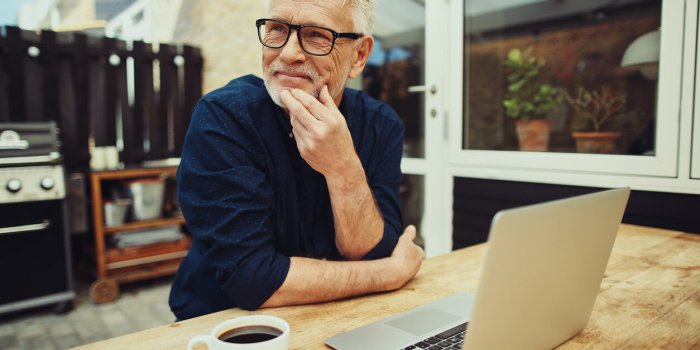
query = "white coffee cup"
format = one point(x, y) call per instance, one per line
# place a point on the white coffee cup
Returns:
point(97, 159)
point(111, 155)
point(246, 328)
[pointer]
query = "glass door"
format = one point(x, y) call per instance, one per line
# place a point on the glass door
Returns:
point(578, 71)
point(695, 152)
point(403, 70)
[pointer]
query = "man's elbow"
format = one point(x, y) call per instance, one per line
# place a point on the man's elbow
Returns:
point(352, 256)
point(353, 253)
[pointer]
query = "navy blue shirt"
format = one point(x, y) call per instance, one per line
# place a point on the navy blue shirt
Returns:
point(251, 202)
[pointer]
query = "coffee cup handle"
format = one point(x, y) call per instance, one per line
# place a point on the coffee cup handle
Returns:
point(206, 339)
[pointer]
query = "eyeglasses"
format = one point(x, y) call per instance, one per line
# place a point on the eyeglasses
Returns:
point(314, 40)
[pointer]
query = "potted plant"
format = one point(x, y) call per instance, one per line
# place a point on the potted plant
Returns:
point(529, 100)
point(599, 107)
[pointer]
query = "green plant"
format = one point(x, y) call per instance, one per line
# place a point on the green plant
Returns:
point(598, 106)
point(527, 98)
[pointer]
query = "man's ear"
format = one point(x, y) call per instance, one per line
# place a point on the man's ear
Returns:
point(360, 56)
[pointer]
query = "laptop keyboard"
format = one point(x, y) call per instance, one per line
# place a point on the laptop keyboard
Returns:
point(449, 339)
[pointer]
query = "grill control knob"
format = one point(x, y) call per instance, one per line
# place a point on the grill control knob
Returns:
point(47, 183)
point(14, 185)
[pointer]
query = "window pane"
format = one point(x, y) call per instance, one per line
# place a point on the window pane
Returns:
point(397, 63)
point(576, 66)
point(412, 203)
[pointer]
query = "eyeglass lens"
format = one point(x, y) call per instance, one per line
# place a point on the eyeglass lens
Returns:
point(314, 40)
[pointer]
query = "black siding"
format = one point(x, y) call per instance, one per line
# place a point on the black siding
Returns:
point(476, 201)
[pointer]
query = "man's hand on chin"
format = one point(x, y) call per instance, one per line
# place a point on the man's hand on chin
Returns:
point(321, 133)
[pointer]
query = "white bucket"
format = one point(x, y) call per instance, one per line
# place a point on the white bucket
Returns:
point(115, 212)
point(147, 196)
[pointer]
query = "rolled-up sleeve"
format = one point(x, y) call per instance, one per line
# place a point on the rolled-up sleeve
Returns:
point(384, 180)
point(227, 200)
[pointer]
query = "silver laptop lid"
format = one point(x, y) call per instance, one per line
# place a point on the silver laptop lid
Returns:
point(543, 270)
point(540, 278)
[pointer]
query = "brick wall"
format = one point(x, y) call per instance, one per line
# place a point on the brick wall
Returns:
point(225, 31)
point(163, 16)
point(76, 12)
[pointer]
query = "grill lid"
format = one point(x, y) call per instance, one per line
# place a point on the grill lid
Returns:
point(29, 140)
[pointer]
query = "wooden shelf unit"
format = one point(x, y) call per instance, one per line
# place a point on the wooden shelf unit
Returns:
point(122, 265)
point(145, 224)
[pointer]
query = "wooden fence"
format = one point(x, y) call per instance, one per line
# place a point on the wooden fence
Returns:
point(100, 88)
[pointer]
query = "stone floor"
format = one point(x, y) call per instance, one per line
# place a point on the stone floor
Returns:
point(140, 306)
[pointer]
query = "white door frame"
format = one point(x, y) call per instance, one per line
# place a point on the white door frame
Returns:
point(436, 224)
point(692, 56)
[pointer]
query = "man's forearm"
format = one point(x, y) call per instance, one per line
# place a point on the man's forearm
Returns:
point(311, 281)
point(324, 141)
point(358, 223)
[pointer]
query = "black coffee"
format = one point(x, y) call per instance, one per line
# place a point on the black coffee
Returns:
point(250, 334)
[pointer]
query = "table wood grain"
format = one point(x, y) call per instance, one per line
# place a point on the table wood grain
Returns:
point(649, 298)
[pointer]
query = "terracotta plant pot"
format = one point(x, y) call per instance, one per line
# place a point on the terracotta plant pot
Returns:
point(533, 135)
point(595, 142)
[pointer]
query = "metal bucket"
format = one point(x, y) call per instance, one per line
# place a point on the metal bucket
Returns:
point(115, 212)
point(147, 196)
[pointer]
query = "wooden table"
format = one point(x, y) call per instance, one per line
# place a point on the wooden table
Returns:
point(649, 298)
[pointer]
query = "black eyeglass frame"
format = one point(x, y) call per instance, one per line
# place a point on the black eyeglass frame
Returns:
point(297, 27)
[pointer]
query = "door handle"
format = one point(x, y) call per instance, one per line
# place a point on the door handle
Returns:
point(25, 228)
point(423, 88)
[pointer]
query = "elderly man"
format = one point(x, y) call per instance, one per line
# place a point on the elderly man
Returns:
point(290, 185)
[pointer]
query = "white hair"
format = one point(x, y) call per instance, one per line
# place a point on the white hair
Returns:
point(362, 13)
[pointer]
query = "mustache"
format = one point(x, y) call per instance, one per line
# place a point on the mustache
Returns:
point(277, 66)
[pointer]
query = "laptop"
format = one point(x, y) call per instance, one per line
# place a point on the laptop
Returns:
point(540, 278)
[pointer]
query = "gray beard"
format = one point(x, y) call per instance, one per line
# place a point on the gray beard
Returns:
point(274, 91)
